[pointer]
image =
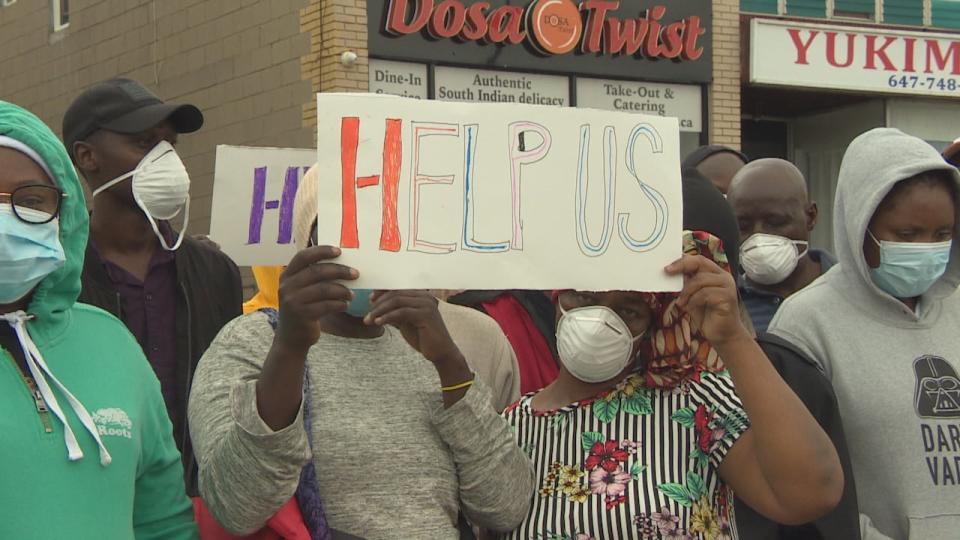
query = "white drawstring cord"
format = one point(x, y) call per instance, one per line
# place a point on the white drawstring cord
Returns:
point(38, 368)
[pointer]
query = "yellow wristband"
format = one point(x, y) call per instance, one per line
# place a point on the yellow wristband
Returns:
point(460, 386)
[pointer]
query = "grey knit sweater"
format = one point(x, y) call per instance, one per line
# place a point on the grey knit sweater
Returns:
point(391, 462)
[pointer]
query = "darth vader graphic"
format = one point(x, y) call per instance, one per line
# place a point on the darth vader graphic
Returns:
point(937, 393)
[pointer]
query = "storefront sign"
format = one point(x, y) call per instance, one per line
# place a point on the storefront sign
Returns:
point(398, 78)
point(553, 27)
point(437, 195)
point(457, 84)
point(854, 58)
point(666, 41)
point(681, 101)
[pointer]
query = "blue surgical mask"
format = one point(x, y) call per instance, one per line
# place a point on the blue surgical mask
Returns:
point(909, 269)
point(360, 305)
point(28, 253)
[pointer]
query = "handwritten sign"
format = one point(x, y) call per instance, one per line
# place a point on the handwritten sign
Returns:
point(430, 194)
point(253, 195)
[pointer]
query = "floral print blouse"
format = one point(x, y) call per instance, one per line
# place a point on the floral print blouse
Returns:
point(632, 463)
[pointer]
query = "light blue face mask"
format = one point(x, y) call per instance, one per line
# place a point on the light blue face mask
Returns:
point(360, 305)
point(28, 253)
point(909, 269)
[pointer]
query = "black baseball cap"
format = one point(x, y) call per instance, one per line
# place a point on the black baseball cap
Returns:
point(123, 106)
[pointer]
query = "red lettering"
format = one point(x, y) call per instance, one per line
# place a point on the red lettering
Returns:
point(936, 55)
point(596, 14)
point(392, 159)
point(646, 35)
point(832, 49)
point(909, 45)
point(397, 21)
point(673, 40)
point(628, 33)
point(349, 139)
point(801, 46)
point(691, 33)
point(448, 19)
point(368, 181)
point(506, 24)
point(653, 48)
point(476, 23)
point(873, 53)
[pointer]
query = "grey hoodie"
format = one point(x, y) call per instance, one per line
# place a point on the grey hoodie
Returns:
point(895, 371)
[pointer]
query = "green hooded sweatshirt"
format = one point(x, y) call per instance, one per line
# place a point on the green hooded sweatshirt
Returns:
point(43, 494)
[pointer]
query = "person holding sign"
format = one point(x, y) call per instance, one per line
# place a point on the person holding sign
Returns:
point(643, 433)
point(370, 393)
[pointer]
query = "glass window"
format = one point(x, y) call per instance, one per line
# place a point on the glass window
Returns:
point(758, 6)
point(857, 9)
point(903, 12)
point(60, 10)
point(807, 8)
point(946, 13)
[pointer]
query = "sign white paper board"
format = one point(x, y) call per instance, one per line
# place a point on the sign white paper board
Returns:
point(429, 194)
point(253, 194)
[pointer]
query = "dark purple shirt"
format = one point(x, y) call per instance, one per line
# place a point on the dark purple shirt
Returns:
point(148, 309)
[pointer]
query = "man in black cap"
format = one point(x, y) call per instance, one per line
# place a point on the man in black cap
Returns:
point(173, 292)
point(718, 163)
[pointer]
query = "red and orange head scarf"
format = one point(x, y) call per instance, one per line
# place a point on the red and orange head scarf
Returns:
point(674, 350)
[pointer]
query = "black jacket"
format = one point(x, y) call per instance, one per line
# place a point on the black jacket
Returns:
point(210, 295)
point(815, 391)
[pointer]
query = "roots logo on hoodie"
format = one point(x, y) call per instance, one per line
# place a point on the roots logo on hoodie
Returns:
point(937, 392)
point(113, 422)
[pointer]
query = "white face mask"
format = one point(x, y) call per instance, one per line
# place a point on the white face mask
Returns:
point(769, 259)
point(161, 188)
point(594, 343)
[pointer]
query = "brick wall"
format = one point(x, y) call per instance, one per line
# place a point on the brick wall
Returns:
point(334, 27)
point(724, 95)
point(238, 60)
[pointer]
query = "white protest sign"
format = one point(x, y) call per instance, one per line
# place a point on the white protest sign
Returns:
point(429, 194)
point(253, 195)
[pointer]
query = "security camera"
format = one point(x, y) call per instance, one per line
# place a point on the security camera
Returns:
point(348, 58)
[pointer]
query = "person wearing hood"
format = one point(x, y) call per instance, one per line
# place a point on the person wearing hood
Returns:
point(87, 448)
point(718, 163)
point(121, 138)
point(775, 216)
point(883, 324)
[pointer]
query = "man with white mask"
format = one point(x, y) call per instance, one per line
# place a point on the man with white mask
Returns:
point(121, 138)
point(775, 216)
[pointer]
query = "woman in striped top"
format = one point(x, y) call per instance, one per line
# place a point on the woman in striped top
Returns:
point(643, 434)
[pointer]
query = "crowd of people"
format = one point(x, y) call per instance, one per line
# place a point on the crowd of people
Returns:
point(784, 393)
